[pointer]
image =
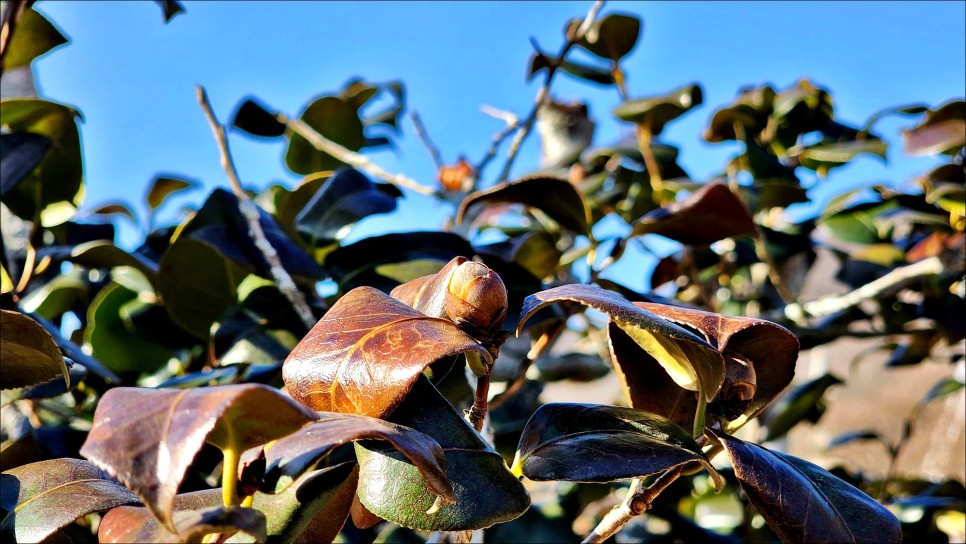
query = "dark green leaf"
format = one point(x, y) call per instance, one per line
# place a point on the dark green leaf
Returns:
point(541, 61)
point(854, 436)
point(654, 112)
point(29, 353)
point(163, 187)
point(196, 284)
point(113, 341)
point(750, 111)
point(20, 153)
point(170, 8)
point(333, 118)
point(75, 353)
point(535, 251)
point(557, 198)
point(392, 487)
point(103, 254)
point(613, 36)
point(40, 498)
point(599, 443)
point(803, 502)
point(347, 197)
point(257, 120)
point(801, 402)
point(823, 156)
point(33, 36)
point(707, 215)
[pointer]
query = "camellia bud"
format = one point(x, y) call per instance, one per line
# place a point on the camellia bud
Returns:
point(476, 297)
point(738, 389)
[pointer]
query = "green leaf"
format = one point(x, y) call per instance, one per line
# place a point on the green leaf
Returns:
point(750, 110)
point(40, 498)
point(803, 502)
point(557, 198)
point(29, 353)
point(804, 401)
point(20, 153)
point(113, 342)
point(392, 487)
point(34, 36)
point(541, 61)
point(170, 8)
point(654, 112)
point(196, 284)
point(536, 251)
point(600, 443)
point(824, 156)
point(707, 215)
point(255, 119)
point(943, 387)
point(163, 187)
point(613, 36)
point(57, 296)
point(337, 120)
point(104, 254)
point(147, 438)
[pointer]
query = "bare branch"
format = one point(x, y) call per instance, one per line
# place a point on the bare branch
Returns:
point(637, 501)
point(427, 142)
point(248, 209)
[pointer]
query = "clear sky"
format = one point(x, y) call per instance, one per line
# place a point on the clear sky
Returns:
point(134, 77)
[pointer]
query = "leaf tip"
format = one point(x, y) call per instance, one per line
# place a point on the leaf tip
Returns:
point(517, 467)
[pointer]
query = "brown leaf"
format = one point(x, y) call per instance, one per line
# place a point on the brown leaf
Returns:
point(29, 353)
point(147, 438)
point(367, 351)
point(707, 215)
point(361, 516)
point(557, 198)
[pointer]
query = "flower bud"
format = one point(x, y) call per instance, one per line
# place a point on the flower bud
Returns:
point(737, 391)
point(476, 298)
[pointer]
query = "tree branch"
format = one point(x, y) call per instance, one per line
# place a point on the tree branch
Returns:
point(637, 501)
point(427, 142)
point(248, 209)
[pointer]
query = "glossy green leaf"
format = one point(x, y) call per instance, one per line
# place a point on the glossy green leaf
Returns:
point(334, 118)
point(750, 110)
point(347, 197)
point(40, 498)
point(391, 487)
point(163, 187)
point(34, 36)
point(20, 153)
point(103, 254)
point(803, 502)
point(557, 198)
point(804, 401)
point(147, 438)
point(255, 119)
point(600, 443)
point(197, 285)
point(29, 353)
point(612, 36)
point(113, 341)
point(656, 111)
point(707, 215)
point(56, 182)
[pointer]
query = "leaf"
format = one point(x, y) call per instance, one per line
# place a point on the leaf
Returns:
point(942, 131)
point(255, 119)
point(112, 340)
point(824, 156)
point(804, 401)
point(196, 284)
point(196, 514)
point(103, 254)
point(600, 443)
point(147, 438)
point(163, 187)
point(541, 61)
point(365, 354)
point(613, 36)
point(40, 498)
point(29, 353)
point(347, 197)
point(34, 36)
point(292, 455)
point(392, 488)
point(333, 118)
point(535, 251)
point(20, 153)
point(750, 110)
point(943, 387)
point(557, 198)
point(707, 215)
point(118, 208)
point(802, 502)
point(854, 436)
point(690, 361)
point(75, 353)
point(654, 112)
point(170, 8)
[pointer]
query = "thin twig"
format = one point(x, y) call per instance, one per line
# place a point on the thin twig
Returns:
point(544, 91)
point(248, 209)
point(427, 142)
point(507, 117)
point(494, 147)
point(350, 157)
point(637, 501)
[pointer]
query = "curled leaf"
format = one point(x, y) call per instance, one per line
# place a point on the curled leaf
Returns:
point(707, 215)
point(557, 198)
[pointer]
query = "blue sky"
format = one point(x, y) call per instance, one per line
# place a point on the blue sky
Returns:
point(134, 77)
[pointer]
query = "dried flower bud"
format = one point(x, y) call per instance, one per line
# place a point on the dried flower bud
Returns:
point(476, 297)
point(453, 178)
point(739, 387)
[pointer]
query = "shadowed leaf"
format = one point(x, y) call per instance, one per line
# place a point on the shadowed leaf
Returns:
point(103, 254)
point(115, 208)
point(333, 118)
point(136, 524)
point(292, 455)
point(803, 502)
point(707, 215)
point(34, 36)
point(112, 340)
point(42, 497)
point(854, 436)
point(535, 251)
point(750, 110)
point(942, 131)
point(170, 8)
point(163, 187)
point(599, 443)
point(20, 153)
point(557, 198)
point(541, 61)
point(656, 111)
point(257, 120)
point(392, 487)
point(804, 401)
point(28, 351)
point(147, 438)
point(367, 351)
point(196, 284)
point(613, 36)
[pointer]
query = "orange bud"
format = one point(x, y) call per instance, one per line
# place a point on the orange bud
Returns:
point(476, 297)
point(453, 177)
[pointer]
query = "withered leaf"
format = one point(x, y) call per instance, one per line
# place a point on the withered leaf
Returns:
point(147, 438)
point(600, 443)
point(40, 498)
point(707, 215)
point(803, 502)
point(367, 351)
point(29, 353)
point(557, 198)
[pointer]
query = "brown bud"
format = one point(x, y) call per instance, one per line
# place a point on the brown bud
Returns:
point(739, 387)
point(476, 297)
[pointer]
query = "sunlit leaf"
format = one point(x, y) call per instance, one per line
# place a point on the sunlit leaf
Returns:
point(147, 438)
point(824, 156)
point(942, 388)
point(536, 251)
point(707, 215)
point(656, 111)
point(393, 488)
point(103, 254)
point(29, 353)
point(163, 187)
point(803, 502)
point(942, 131)
point(600, 443)
point(612, 36)
point(557, 198)
point(34, 36)
point(365, 354)
point(40, 498)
